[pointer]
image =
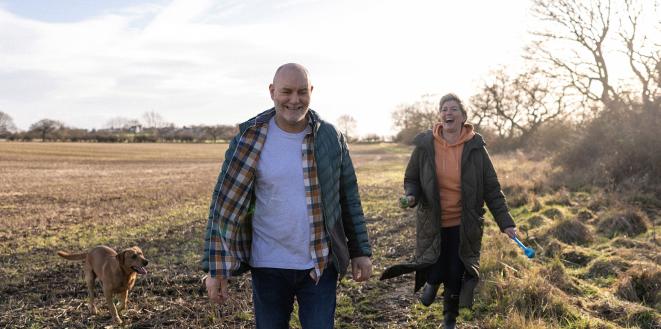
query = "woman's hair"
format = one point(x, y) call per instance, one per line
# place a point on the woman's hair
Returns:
point(453, 97)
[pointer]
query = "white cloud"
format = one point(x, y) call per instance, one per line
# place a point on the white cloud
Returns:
point(204, 62)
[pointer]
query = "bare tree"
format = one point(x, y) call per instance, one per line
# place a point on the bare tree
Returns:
point(574, 42)
point(490, 102)
point(118, 123)
point(44, 127)
point(347, 125)
point(411, 119)
point(152, 119)
point(225, 132)
point(516, 107)
point(643, 55)
point(373, 138)
point(6, 124)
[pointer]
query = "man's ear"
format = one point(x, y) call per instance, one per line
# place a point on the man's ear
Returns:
point(272, 91)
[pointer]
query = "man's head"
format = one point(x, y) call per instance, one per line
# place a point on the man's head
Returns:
point(290, 92)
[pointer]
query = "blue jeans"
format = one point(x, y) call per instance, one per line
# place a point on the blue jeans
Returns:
point(273, 292)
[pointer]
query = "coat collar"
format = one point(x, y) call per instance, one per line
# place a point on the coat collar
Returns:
point(425, 140)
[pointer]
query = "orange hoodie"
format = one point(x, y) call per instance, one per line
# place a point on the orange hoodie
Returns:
point(448, 173)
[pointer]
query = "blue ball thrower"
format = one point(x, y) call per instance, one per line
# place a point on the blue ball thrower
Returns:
point(530, 252)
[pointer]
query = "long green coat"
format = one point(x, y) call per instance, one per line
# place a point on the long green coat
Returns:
point(479, 185)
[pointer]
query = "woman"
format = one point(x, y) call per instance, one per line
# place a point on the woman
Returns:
point(449, 178)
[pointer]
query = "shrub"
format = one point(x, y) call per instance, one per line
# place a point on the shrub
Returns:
point(555, 273)
point(605, 266)
point(552, 137)
point(532, 296)
point(641, 285)
point(536, 221)
point(553, 213)
point(536, 205)
point(535, 297)
point(627, 222)
point(513, 320)
point(576, 257)
point(517, 200)
point(614, 151)
point(625, 315)
point(553, 248)
point(624, 242)
point(561, 198)
point(406, 135)
point(572, 231)
point(609, 310)
point(584, 215)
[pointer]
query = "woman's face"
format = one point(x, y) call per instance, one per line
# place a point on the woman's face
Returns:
point(451, 116)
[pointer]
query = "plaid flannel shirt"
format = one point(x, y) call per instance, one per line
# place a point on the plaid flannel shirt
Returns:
point(230, 219)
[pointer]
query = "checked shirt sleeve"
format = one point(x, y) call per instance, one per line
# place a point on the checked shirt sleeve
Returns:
point(215, 259)
point(228, 236)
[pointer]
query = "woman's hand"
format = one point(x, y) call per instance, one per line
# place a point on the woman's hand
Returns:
point(407, 201)
point(510, 231)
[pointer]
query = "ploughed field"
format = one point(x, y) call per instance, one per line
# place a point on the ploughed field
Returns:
point(597, 263)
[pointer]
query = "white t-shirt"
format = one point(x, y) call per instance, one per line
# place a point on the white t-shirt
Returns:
point(281, 226)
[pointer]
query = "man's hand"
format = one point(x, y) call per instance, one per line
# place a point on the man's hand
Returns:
point(510, 231)
point(361, 268)
point(217, 289)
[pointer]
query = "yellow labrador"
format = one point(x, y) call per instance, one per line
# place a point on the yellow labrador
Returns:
point(117, 273)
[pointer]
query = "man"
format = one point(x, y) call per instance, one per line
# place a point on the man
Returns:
point(286, 206)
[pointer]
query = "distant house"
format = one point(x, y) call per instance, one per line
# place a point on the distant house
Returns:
point(135, 129)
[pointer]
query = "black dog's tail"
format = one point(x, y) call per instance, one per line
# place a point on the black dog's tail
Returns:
point(69, 256)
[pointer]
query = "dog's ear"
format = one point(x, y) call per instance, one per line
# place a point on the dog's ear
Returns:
point(121, 256)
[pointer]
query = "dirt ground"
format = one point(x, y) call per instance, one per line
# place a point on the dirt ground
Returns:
point(67, 196)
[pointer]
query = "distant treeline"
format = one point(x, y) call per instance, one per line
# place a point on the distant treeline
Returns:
point(47, 130)
point(51, 130)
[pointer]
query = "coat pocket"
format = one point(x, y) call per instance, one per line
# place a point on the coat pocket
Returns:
point(474, 229)
point(426, 234)
point(339, 247)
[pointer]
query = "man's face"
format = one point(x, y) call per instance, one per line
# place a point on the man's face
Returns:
point(290, 93)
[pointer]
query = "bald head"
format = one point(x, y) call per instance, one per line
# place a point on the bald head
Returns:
point(290, 92)
point(291, 68)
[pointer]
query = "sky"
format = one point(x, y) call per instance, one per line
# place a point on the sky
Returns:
point(210, 62)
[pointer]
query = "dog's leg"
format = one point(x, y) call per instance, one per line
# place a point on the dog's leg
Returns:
point(89, 280)
point(111, 306)
point(123, 300)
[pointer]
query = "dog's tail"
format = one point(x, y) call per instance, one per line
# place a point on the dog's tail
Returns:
point(69, 256)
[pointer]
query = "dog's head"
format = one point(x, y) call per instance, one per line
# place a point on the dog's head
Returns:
point(133, 259)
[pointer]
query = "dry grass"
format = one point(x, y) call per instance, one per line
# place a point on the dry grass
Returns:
point(553, 213)
point(605, 266)
point(74, 196)
point(641, 284)
point(572, 231)
point(626, 222)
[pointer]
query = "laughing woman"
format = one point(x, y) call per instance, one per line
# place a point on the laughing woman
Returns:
point(449, 178)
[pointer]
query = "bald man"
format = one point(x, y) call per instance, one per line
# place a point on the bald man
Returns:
point(286, 207)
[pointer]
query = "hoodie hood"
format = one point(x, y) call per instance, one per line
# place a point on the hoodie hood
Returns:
point(467, 133)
